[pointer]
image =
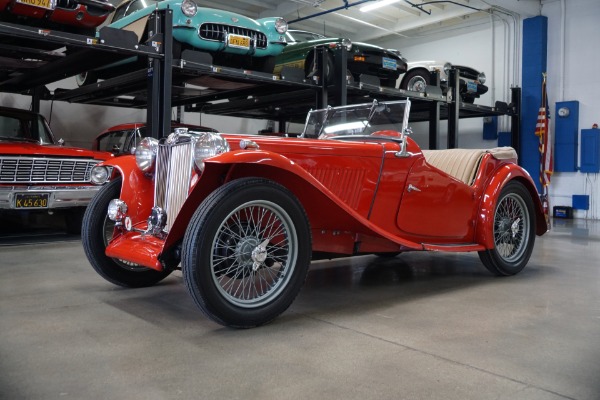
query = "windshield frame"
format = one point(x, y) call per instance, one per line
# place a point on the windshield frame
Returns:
point(357, 120)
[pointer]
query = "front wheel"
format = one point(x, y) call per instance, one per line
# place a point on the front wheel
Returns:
point(97, 231)
point(246, 252)
point(514, 231)
point(416, 80)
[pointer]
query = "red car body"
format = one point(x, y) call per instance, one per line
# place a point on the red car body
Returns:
point(376, 193)
point(75, 15)
point(36, 172)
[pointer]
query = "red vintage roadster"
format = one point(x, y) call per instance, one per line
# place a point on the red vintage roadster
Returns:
point(243, 216)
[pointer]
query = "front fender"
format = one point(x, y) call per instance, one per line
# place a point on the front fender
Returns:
point(137, 189)
point(485, 221)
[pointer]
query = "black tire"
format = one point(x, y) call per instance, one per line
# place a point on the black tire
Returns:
point(97, 230)
point(224, 252)
point(74, 219)
point(468, 99)
point(86, 78)
point(416, 80)
point(514, 231)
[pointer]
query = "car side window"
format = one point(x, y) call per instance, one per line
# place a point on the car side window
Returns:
point(10, 127)
point(114, 141)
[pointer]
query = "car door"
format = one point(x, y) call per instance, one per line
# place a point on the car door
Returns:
point(436, 206)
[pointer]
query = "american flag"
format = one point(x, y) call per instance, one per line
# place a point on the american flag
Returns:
point(542, 131)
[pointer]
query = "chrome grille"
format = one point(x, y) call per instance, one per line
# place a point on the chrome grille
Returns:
point(45, 170)
point(174, 164)
point(218, 33)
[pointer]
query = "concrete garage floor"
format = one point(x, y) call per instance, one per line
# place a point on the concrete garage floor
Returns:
point(419, 326)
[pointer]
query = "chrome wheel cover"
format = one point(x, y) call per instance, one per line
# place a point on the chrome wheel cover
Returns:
point(417, 84)
point(254, 253)
point(511, 228)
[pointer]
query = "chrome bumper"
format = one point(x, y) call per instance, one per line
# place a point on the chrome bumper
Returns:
point(58, 196)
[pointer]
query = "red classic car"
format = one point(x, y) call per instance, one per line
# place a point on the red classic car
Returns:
point(39, 174)
point(244, 215)
point(122, 139)
point(80, 16)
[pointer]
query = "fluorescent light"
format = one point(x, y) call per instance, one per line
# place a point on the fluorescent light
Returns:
point(378, 4)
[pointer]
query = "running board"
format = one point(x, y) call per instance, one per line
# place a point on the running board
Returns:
point(457, 247)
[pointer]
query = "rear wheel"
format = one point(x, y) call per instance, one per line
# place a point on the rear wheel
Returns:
point(246, 252)
point(514, 231)
point(97, 232)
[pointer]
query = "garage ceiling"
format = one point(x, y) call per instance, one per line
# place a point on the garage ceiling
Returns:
point(403, 18)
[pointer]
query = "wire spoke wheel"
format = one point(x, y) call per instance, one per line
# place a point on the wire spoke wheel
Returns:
point(246, 252)
point(254, 253)
point(513, 230)
point(510, 227)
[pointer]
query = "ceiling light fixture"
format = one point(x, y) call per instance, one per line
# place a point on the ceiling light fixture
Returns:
point(378, 4)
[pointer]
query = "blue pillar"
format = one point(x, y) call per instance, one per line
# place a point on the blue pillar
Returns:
point(535, 49)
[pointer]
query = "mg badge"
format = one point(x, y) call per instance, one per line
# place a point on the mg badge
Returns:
point(234, 20)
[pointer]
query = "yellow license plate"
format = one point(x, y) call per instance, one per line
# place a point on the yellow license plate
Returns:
point(31, 200)
point(242, 42)
point(48, 4)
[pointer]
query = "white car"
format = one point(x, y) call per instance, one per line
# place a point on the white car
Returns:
point(418, 77)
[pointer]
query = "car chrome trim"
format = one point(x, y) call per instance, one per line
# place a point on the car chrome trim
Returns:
point(174, 165)
point(59, 196)
point(217, 32)
point(45, 170)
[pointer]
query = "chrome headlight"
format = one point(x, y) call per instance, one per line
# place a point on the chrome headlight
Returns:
point(481, 78)
point(189, 8)
point(347, 43)
point(209, 144)
point(145, 154)
point(117, 210)
point(281, 25)
point(447, 67)
point(100, 175)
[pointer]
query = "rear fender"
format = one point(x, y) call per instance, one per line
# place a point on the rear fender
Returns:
point(324, 210)
point(485, 221)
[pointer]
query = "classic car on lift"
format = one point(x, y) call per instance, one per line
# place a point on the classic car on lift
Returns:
point(231, 39)
point(77, 16)
point(122, 139)
point(243, 216)
point(363, 58)
point(38, 173)
point(418, 77)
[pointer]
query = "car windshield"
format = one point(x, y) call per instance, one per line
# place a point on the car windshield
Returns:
point(303, 36)
point(132, 6)
point(357, 120)
point(25, 127)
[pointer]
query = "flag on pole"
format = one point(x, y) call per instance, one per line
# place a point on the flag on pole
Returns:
point(542, 131)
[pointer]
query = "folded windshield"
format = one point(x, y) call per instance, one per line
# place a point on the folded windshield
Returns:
point(357, 120)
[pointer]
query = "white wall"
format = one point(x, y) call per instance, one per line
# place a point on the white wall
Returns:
point(580, 82)
point(473, 46)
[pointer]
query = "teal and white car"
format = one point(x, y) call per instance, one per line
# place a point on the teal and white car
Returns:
point(233, 40)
